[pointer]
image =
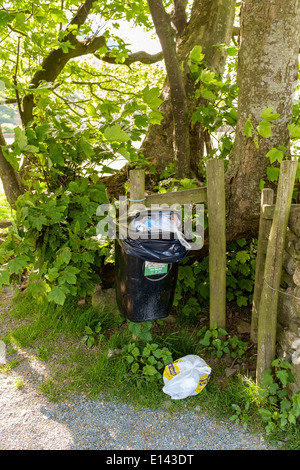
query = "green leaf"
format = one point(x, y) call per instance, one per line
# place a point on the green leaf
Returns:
point(52, 274)
point(151, 96)
point(294, 130)
point(4, 276)
point(149, 370)
point(248, 128)
point(22, 141)
point(11, 158)
point(69, 275)
point(57, 296)
point(264, 129)
point(20, 138)
point(242, 256)
point(135, 367)
point(267, 114)
point(261, 184)
point(63, 256)
point(91, 110)
point(208, 95)
point(241, 300)
point(38, 222)
point(272, 173)
point(275, 155)
point(282, 376)
point(207, 76)
point(196, 55)
point(115, 133)
point(86, 147)
point(18, 264)
point(125, 153)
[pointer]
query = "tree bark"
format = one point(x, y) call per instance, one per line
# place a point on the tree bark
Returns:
point(211, 22)
point(267, 76)
point(12, 184)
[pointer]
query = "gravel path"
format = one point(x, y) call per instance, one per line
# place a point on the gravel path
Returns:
point(30, 422)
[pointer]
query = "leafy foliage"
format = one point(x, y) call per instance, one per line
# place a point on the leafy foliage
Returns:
point(145, 360)
point(192, 292)
point(280, 410)
point(217, 341)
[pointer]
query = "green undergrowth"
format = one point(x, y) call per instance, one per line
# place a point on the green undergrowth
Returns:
point(92, 351)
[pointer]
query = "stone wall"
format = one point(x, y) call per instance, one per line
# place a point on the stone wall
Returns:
point(288, 335)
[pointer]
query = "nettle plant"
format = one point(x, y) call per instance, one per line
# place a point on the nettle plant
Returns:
point(145, 359)
point(192, 292)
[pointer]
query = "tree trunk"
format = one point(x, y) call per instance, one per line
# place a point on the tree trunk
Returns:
point(211, 23)
point(267, 76)
point(11, 182)
point(162, 23)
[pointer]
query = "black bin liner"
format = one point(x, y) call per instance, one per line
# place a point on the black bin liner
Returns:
point(146, 274)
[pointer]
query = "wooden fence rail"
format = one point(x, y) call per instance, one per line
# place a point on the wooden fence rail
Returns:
point(214, 196)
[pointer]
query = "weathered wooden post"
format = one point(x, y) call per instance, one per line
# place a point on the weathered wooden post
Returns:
point(217, 241)
point(267, 196)
point(137, 187)
point(267, 318)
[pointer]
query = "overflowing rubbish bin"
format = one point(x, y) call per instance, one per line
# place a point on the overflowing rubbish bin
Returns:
point(146, 264)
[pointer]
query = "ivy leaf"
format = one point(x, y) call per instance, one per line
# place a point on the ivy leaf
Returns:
point(115, 133)
point(57, 295)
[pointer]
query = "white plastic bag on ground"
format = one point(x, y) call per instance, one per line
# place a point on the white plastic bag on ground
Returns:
point(185, 377)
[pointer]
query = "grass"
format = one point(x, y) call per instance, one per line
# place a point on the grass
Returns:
point(54, 336)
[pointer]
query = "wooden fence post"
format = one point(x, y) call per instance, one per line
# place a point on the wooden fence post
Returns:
point(267, 196)
point(217, 241)
point(267, 318)
point(137, 187)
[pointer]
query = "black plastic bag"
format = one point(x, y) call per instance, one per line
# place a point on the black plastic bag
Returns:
point(166, 251)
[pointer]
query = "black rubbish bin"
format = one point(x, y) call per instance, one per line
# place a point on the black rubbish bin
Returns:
point(146, 266)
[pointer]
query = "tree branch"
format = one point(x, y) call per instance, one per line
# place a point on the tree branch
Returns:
point(178, 15)
point(162, 23)
point(53, 65)
point(140, 56)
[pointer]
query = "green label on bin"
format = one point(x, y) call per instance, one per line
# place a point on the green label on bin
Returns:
point(155, 268)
